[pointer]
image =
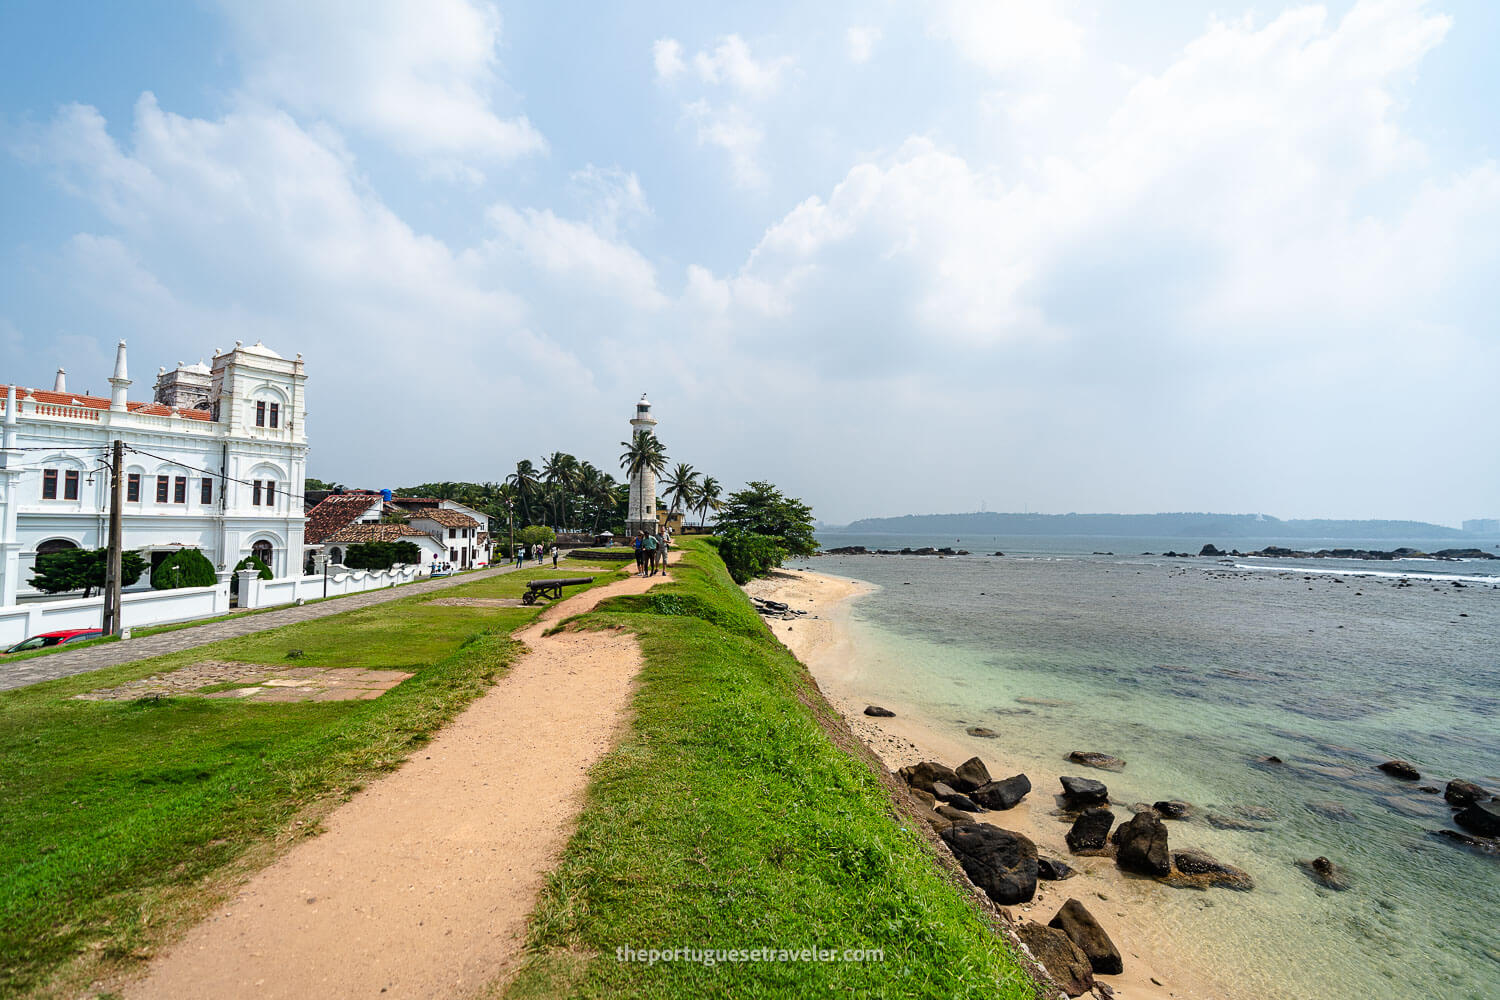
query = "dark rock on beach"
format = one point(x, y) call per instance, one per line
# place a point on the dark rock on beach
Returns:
point(1482, 818)
point(971, 775)
point(1082, 929)
point(1211, 550)
point(1464, 793)
point(1326, 873)
point(1201, 868)
point(925, 774)
point(878, 712)
point(1003, 794)
point(1080, 793)
point(953, 797)
point(1141, 845)
point(1172, 809)
point(982, 732)
point(1000, 862)
point(1091, 758)
point(953, 814)
point(1400, 769)
point(1090, 832)
point(1053, 870)
point(1064, 961)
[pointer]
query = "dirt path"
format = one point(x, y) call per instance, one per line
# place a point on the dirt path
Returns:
point(421, 885)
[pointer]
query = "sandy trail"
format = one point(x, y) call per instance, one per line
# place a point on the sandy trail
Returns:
point(1119, 902)
point(422, 884)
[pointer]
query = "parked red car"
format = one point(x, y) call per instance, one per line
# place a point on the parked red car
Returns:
point(53, 639)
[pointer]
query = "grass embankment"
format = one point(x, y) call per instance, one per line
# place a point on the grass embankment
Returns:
point(121, 821)
point(728, 819)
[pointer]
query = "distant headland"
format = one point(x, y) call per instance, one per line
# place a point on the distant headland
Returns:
point(1177, 525)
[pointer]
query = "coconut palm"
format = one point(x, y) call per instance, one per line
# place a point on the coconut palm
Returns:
point(709, 492)
point(559, 472)
point(525, 481)
point(643, 451)
point(681, 485)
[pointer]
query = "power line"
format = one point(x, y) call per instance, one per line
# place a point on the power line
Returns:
point(207, 472)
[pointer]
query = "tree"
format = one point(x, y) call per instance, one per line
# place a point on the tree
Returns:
point(525, 482)
point(761, 509)
point(681, 485)
point(82, 569)
point(747, 556)
point(559, 473)
point(709, 492)
point(318, 484)
point(186, 568)
point(643, 451)
point(536, 534)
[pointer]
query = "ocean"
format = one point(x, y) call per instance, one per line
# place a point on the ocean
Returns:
point(1191, 670)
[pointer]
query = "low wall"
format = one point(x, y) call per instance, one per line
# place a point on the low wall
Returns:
point(257, 593)
point(152, 607)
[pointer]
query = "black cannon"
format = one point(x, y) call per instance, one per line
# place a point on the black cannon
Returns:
point(551, 589)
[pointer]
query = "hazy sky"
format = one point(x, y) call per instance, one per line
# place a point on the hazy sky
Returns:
point(1064, 256)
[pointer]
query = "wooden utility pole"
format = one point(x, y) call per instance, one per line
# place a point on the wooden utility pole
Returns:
point(113, 622)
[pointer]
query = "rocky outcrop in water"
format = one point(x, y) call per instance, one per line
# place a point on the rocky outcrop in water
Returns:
point(1464, 793)
point(1402, 769)
point(1053, 870)
point(1080, 793)
point(1092, 758)
point(1141, 846)
point(1172, 809)
point(1000, 862)
point(1090, 832)
point(1482, 818)
point(1196, 867)
point(1082, 929)
point(1064, 961)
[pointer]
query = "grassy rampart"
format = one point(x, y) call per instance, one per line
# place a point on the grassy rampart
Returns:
point(729, 819)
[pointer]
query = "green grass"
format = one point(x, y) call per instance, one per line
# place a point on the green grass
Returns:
point(120, 820)
point(728, 818)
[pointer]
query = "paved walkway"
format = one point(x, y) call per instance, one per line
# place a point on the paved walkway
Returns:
point(46, 668)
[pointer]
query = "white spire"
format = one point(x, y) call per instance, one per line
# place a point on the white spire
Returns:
point(119, 382)
point(61, 384)
point(10, 406)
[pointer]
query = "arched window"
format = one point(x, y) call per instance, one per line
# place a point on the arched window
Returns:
point(336, 556)
point(52, 545)
point(262, 551)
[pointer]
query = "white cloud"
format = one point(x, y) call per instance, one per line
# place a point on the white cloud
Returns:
point(734, 131)
point(666, 55)
point(420, 77)
point(574, 250)
point(729, 64)
point(613, 197)
point(862, 41)
point(1009, 35)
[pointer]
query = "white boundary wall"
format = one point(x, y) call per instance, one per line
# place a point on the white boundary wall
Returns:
point(257, 593)
point(152, 607)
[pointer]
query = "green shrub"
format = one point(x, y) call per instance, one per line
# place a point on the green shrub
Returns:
point(186, 568)
point(82, 569)
point(536, 534)
point(381, 555)
point(253, 562)
point(747, 556)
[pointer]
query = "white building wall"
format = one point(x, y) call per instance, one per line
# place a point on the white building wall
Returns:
point(224, 529)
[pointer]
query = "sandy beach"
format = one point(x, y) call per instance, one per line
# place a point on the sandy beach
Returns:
point(1155, 966)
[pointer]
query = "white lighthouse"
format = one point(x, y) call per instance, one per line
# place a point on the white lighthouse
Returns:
point(641, 514)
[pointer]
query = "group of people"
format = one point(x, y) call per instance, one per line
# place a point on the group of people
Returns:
point(524, 553)
point(651, 551)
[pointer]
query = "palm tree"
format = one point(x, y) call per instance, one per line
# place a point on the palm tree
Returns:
point(559, 473)
point(681, 485)
point(708, 498)
point(525, 482)
point(643, 451)
point(506, 496)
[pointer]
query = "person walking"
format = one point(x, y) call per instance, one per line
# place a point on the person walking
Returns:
point(649, 545)
point(640, 554)
point(554, 557)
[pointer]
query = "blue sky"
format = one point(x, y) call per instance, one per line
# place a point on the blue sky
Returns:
point(894, 257)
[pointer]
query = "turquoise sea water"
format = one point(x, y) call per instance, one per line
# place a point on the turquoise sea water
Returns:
point(1190, 669)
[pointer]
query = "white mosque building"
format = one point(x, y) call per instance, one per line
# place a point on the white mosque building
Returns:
point(215, 462)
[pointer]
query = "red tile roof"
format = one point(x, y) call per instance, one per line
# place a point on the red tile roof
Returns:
point(356, 533)
point(100, 403)
point(334, 513)
point(447, 518)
